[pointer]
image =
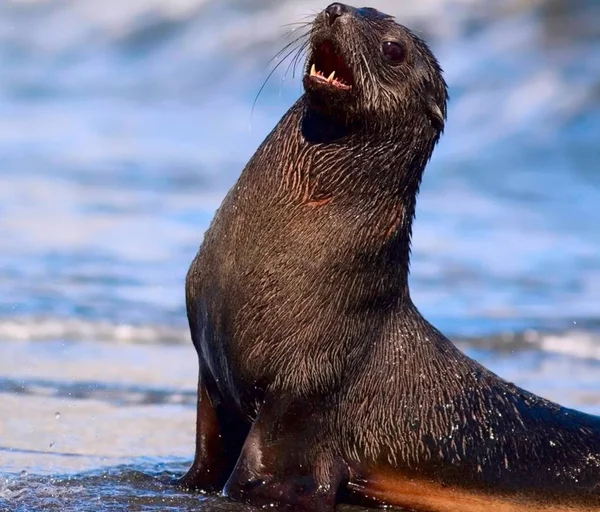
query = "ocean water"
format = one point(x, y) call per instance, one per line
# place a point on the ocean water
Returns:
point(121, 129)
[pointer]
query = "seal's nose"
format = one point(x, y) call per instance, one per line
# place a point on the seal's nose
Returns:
point(334, 11)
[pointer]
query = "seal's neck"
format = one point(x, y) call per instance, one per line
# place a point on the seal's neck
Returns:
point(367, 178)
point(367, 163)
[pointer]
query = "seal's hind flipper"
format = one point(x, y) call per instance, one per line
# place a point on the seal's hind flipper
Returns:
point(413, 493)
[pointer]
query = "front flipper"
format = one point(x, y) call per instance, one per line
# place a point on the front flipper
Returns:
point(288, 461)
point(219, 439)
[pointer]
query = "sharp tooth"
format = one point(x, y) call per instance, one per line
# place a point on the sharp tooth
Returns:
point(313, 70)
point(330, 79)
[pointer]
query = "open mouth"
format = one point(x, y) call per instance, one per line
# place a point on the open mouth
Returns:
point(329, 68)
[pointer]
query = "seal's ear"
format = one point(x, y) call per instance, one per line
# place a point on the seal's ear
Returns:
point(435, 114)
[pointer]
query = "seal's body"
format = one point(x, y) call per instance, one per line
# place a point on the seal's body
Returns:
point(319, 379)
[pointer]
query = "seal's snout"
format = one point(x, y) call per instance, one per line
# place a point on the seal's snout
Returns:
point(329, 72)
point(335, 11)
point(329, 69)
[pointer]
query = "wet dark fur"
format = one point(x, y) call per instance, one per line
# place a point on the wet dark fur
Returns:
point(300, 312)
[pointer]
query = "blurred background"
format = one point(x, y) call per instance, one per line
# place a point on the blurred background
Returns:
point(124, 123)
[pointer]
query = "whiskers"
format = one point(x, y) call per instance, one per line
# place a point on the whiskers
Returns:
point(294, 51)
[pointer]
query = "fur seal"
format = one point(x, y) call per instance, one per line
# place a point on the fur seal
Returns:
point(320, 381)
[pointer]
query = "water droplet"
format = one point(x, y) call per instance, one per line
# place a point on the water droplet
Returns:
point(57, 415)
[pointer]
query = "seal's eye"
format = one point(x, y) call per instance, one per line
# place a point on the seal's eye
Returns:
point(393, 51)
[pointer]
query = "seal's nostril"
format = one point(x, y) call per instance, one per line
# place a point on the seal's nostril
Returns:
point(334, 11)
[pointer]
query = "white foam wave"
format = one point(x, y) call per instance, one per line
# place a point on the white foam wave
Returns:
point(53, 329)
point(577, 343)
point(574, 343)
point(583, 344)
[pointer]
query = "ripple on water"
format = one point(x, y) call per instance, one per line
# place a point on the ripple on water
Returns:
point(144, 486)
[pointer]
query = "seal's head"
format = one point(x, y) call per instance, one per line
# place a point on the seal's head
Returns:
point(362, 66)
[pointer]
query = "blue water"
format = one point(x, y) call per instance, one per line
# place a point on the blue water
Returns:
point(121, 129)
